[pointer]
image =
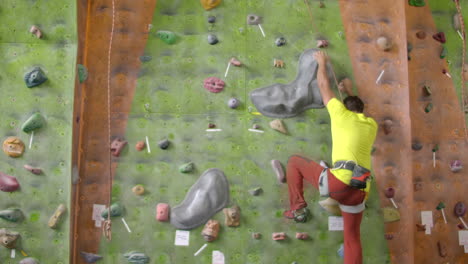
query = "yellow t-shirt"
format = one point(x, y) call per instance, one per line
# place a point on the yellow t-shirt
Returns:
point(353, 135)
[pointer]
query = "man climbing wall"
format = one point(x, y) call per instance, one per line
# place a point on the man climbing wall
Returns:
point(353, 135)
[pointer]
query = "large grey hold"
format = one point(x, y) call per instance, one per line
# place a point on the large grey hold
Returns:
point(164, 144)
point(29, 261)
point(288, 100)
point(206, 197)
point(90, 257)
point(136, 257)
point(212, 39)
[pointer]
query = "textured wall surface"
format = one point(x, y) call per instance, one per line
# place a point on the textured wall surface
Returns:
point(170, 101)
point(39, 195)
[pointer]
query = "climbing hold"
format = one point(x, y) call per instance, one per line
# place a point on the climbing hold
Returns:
point(279, 171)
point(456, 166)
point(145, 58)
point(322, 43)
point(8, 183)
point(288, 100)
point(443, 52)
point(117, 145)
point(210, 4)
point(278, 125)
point(57, 216)
point(256, 235)
point(35, 77)
point(256, 126)
point(387, 126)
point(444, 71)
point(388, 236)
point(256, 191)
point(140, 145)
point(442, 249)
point(82, 73)
point(13, 147)
point(233, 103)
point(34, 122)
point(427, 90)
point(235, 62)
point(29, 261)
point(416, 146)
point(302, 236)
point(417, 186)
point(421, 34)
point(460, 209)
point(90, 257)
point(331, 206)
point(232, 216)
point(440, 37)
point(278, 236)
point(12, 215)
point(211, 19)
point(167, 36)
point(35, 31)
point(278, 63)
point(162, 212)
point(340, 251)
point(416, 3)
point(409, 48)
point(456, 22)
point(391, 214)
point(115, 210)
point(187, 167)
point(281, 41)
point(253, 19)
point(213, 84)
point(212, 39)
point(428, 108)
point(33, 170)
point(206, 197)
point(8, 238)
point(211, 230)
point(384, 44)
point(164, 144)
point(135, 257)
point(420, 227)
point(138, 189)
point(211, 125)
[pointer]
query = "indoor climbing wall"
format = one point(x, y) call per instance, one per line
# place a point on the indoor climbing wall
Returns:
point(170, 102)
point(41, 169)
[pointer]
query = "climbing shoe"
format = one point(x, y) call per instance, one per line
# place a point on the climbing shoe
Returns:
point(299, 215)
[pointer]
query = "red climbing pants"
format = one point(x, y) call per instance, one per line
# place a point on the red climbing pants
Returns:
point(300, 168)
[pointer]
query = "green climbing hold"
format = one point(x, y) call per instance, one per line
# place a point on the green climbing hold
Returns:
point(36, 121)
point(391, 215)
point(167, 36)
point(440, 206)
point(436, 148)
point(12, 215)
point(115, 210)
point(82, 73)
point(416, 3)
point(428, 108)
point(187, 167)
point(35, 77)
point(443, 52)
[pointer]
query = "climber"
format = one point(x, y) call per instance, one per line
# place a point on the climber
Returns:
point(353, 135)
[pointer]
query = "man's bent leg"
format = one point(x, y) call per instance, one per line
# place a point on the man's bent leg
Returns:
point(298, 169)
point(352, 238)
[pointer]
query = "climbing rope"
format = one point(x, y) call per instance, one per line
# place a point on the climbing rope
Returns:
point(464, 99)
point(107, 225)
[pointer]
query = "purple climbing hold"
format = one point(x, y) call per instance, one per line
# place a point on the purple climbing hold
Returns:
point(90, 257)
point(456, 166)
point(8, 183)
point(233, 103)
point(279, 171)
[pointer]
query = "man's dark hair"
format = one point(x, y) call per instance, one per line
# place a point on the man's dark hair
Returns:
point(354, 103)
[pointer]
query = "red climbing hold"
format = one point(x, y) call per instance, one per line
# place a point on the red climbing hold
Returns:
point(8, 183)
point(439, 37)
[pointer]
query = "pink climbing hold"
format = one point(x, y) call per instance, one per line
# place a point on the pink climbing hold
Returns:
point(278, 236)
point(162, 212)
point(213, 84)
point(8, 183)
point(322, 43)
point(279, 171)
point(235, 62)
point(302, 236)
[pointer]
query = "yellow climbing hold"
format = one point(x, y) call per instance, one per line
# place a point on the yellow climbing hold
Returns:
point(210, 4)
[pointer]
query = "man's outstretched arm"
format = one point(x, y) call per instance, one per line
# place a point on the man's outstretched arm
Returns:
point(323, 82)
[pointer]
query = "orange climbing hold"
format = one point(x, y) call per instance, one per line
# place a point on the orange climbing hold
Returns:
point(210, 4)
